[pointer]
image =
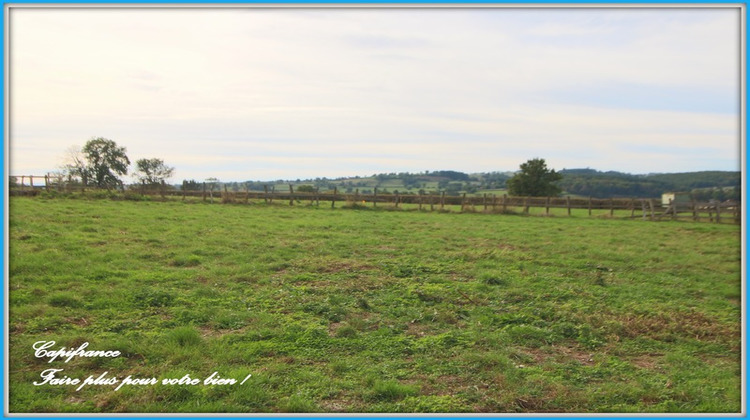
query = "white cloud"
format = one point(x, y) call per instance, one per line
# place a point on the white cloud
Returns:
point(388, 89)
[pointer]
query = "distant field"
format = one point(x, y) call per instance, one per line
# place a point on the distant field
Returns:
point(342, 310)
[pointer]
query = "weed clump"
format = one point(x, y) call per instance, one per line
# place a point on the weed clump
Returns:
point(64, 299)
point(152, 298)
point(362, 303)
point(190, 261)
point(434, 404)
point(528, 335)
point(492, 279)
point(346, 331)
point(184, 336)
point(356, 205)
point(391, 391)
point(299, 404)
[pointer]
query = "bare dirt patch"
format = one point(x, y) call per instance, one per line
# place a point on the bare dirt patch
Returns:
point(562, 354)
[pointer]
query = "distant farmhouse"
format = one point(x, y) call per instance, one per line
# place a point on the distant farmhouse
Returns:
point(675, 197)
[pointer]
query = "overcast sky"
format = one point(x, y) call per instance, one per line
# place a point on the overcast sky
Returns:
point(260, 94)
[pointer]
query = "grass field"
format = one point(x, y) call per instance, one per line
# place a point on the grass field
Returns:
point(372, 310)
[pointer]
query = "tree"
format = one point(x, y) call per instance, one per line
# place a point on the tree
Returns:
point(152, 171)
point(105, 160)
point(191, 185)
point(212, 183)
point(75, 164)
point(534, 180)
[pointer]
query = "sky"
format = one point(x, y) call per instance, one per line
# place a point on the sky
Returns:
point(286, 93)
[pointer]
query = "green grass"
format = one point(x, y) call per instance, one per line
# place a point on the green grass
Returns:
point(366, 310)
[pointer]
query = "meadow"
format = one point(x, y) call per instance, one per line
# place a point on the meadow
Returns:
point(372, 310)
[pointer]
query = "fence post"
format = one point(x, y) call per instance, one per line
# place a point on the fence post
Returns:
point(204, 191)
point(695, 212)
point(420, 200)
point(265, 193)
point(22, 177)
point(546, 206)
point(643, 207)
point(484, 202)
point(737, 215)
point(718, 212)
point(632, 208)
point(183, 190)
point(291, 195)
point(651, 205)
point(442, 200)
point(247, 193)
point(432, 202)
point(526, 205)
point(463, 202)
point(611, 207)
point(589, 205)
point(273, 190)
point(397, 199)
point(673, 206)
point(317, 196)
point(333, 199)
point(505, 204)
point(567, 203)
point(46, 182)
point(375, 197)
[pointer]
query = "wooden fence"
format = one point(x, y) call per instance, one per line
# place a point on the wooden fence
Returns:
point(643, 208)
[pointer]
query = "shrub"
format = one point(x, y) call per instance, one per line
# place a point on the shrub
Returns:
point(306, 189)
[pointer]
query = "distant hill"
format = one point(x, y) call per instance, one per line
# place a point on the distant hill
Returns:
point(705, 179)
point(583, 182)
point(590, 182)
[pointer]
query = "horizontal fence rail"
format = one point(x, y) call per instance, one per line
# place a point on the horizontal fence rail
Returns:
point(643, 208)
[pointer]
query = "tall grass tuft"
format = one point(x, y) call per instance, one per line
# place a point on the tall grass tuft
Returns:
point(184, 336)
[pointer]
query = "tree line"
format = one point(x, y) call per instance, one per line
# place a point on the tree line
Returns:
point(102, 162)
point(533, 178)
point(704, 185)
